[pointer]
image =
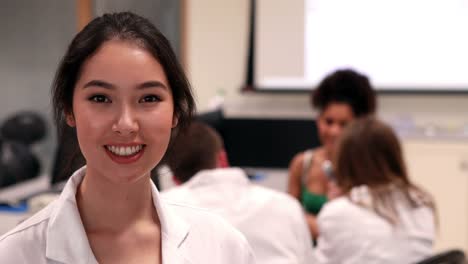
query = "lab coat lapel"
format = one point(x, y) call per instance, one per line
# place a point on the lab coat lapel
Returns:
point(175, 232)
point(66, 238)
point(174, 255)
point(67, 241)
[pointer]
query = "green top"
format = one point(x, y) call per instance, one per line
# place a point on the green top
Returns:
point(311, 202)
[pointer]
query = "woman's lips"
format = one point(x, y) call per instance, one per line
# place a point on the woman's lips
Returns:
point(125, 154)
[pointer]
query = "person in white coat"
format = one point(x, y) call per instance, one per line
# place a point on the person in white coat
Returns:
point(273, 222)
point(381, 216)
point(121, 88)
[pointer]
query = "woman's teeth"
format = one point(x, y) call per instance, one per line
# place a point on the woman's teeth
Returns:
point(125, 151)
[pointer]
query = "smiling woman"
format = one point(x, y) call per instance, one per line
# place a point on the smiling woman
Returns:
point(122, 101)
point(120, 86)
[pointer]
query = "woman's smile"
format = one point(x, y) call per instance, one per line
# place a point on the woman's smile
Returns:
point(125, 154)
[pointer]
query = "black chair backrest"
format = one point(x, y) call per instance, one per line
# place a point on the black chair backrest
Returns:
point(454, 256)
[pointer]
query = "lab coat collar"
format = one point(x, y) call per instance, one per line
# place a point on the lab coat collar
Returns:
point(222, 175)
point(67, 241)
point(174, 231)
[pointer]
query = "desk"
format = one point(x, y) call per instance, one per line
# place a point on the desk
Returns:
point(17, 192)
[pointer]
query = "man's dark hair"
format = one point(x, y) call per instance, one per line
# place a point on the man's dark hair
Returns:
point(195, 149)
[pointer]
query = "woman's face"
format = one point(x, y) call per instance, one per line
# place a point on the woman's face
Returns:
point(331, 123)
point(123, 112)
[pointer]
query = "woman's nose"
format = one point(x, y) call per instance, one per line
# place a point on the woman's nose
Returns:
point(126, 122)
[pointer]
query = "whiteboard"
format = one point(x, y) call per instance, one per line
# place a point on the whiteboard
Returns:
point(401, 45)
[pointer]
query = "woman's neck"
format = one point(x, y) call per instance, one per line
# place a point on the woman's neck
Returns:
point(323, 153)
point(114, 207)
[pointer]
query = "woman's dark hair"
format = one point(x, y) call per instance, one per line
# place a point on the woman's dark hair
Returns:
point(345, 86)
point(124, 26)
point(369, 153)
point(129, 27)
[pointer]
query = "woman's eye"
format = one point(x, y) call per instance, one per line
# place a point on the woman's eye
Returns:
point(99, 99)
point(150, 99)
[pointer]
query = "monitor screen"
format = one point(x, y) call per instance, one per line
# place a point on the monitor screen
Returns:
point(267, 143)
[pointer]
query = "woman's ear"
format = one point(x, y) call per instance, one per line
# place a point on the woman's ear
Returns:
point(175, 121)
point(70, 119)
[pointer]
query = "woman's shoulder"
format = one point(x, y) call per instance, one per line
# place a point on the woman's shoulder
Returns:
point(35, 222)
point(342, 207)
point(204, 221)
point(30, 236)
point(307, 152)
point(339, 205)
point(209, 231)
point(357, 197)
point(298, 159)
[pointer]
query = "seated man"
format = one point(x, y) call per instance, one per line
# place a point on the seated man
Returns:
point(272, 222)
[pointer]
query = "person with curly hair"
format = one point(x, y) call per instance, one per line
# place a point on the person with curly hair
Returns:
point(341, 97)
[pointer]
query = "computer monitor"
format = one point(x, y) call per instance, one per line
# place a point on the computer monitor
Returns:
point(267, 143)
point(262, 142)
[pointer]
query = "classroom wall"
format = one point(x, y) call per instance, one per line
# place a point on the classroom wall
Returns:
point(216, 48)
point(34, 35)
point(216, 41)
point(163, 13)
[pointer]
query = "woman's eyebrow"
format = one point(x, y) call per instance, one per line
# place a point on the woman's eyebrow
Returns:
point(106, 85)
point(152, 84)
point(99, 83)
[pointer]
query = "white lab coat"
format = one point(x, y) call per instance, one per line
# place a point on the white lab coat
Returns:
point(273, 222)
point(56, 235)
point(352, 234)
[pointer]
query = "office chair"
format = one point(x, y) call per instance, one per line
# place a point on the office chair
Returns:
point(454, 256)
